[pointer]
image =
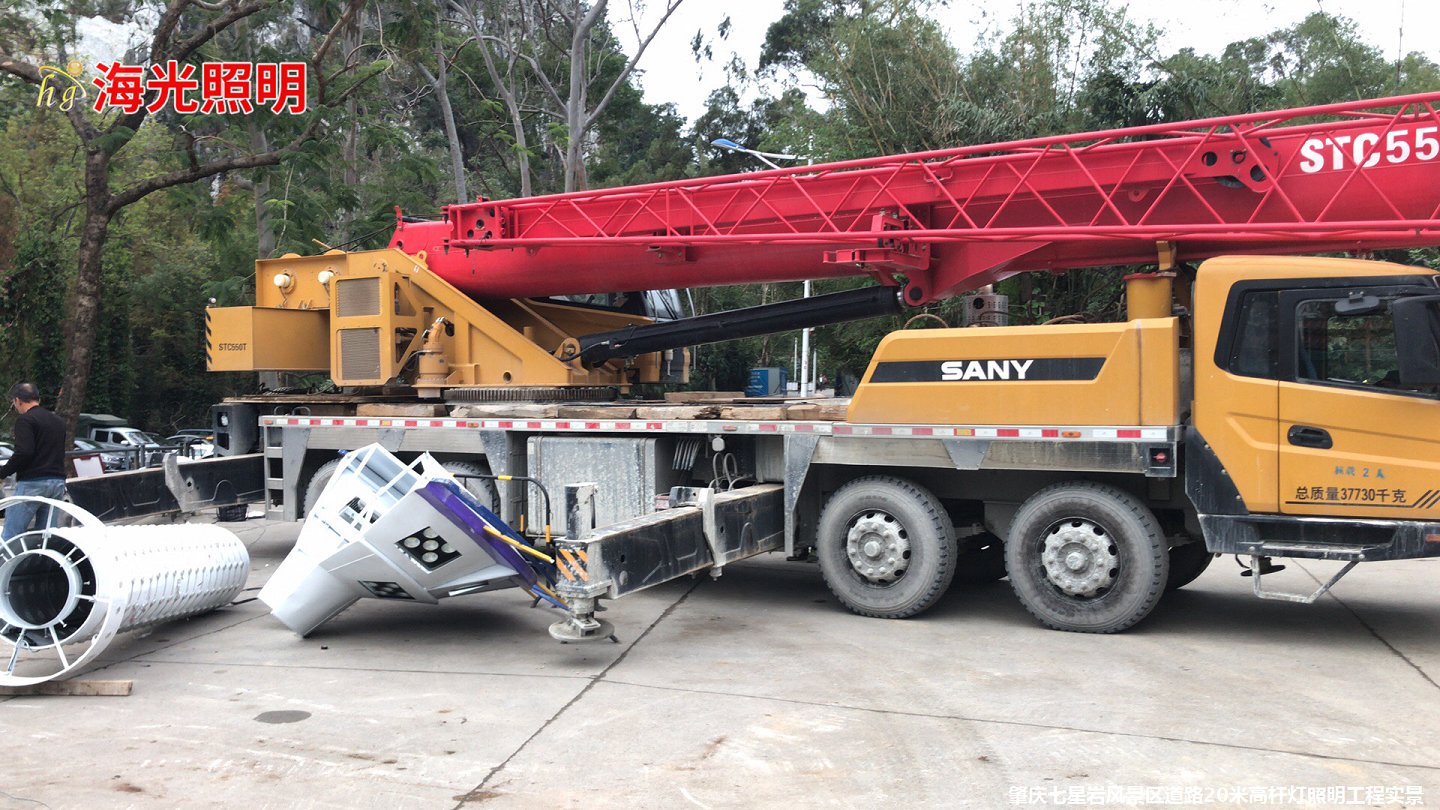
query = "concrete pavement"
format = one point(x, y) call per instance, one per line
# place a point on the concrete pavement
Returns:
point(758, 689)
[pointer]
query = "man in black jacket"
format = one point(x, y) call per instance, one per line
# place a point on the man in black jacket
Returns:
point(39, 461)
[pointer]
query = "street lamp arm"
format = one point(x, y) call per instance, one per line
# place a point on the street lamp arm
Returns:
point(765, 157)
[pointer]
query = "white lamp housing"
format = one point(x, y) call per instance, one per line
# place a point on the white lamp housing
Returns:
point(384, 530)
point(67, 591)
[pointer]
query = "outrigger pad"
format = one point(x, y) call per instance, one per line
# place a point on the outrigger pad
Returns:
point(385, 530)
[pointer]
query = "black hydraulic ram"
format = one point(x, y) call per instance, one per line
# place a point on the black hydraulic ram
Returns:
point(801, 313)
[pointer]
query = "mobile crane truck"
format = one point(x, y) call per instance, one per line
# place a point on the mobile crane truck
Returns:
point(1263, 404)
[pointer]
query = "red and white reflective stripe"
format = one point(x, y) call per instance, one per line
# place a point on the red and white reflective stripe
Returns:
point(1028, 433)
point(1124, 433)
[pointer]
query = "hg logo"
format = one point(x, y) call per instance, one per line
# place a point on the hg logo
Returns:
point(67, 81)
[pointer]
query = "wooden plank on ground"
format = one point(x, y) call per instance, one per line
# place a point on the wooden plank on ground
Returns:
point(71, 688)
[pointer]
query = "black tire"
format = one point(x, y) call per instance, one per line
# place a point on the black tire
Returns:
point(981, 560)
point(1187, 563)
point(910, 540)
point(483, 489)
point(1116, 564)
point(317, 484)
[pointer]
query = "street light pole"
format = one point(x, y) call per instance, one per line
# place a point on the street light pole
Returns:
point(805, 381)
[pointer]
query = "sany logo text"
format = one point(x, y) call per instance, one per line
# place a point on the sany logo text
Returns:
point(952, 370)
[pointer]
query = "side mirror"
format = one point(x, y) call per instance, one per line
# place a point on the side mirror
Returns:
point(1417, 338)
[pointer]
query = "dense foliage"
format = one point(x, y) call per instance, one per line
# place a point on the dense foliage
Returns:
point(425, 119)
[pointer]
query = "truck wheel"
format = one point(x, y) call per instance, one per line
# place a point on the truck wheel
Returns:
point(1087, 558)
point(886, 547)
point(483, 489)
point(317, 484)
point(1187, 563)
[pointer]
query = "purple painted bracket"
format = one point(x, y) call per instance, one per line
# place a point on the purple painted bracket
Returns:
point(450, 500)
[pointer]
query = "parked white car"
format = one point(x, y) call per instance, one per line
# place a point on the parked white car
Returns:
point(191, 446)
point(132, 437)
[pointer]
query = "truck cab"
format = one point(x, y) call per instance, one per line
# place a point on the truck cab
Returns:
point(1316, 429)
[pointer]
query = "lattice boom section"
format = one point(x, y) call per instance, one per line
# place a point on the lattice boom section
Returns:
point(1370, 169)
point(1361, 175)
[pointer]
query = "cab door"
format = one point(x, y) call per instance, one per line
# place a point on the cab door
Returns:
point(1354, 441)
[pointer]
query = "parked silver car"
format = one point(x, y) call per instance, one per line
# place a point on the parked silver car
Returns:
point(113, 457)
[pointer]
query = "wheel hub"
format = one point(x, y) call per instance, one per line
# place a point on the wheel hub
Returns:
point(878, 547)
point(1079, 558)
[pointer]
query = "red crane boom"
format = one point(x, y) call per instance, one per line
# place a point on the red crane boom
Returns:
point(1357, 175)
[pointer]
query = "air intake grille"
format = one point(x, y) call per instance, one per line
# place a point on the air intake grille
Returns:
point(360, 355)
point(357, 297)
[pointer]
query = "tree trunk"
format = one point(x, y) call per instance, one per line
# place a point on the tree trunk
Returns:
point(350, 152)
point(265, 241)
point(575, 102)
point(83, 318)
point(350, 145)
point(522, 149)
point(442, 94)
point(505, 83)
point(439, 82)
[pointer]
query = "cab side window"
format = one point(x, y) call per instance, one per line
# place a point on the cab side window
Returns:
point(1343, 349)
point(1255, 351)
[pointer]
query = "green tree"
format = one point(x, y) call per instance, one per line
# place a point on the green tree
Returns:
point(1323, 60)
point(572, 56)
point(32, 312)
point(888, 71)
point(183, 29)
